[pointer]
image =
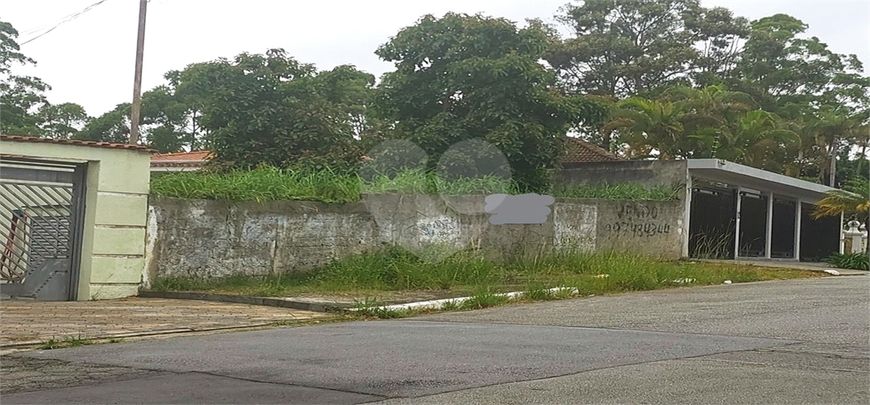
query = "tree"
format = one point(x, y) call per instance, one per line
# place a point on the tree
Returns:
point(852, 200)
point(651, 128)
point(787, 73)
point(636, 47)
point(721, 36)
point(61, 121)
point(758, 139)
point(272, 109)
point(639, 48)
point(164, 121)
point(113, 126)
point(832, 130)
point(462, 77)
point(20, 96)
point(24, 109)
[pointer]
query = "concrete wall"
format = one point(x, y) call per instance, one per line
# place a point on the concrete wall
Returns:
point(113, 244)
point(645, 172)
point(206, 238)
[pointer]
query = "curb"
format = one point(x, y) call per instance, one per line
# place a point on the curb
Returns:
point(438, 304)
point(30, 343)
point(241, 299)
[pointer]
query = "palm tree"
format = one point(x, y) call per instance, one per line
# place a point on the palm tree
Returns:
point(712, 103)
point(649, 126)
point(831, 128)
point(853, 199)
point(757, 139)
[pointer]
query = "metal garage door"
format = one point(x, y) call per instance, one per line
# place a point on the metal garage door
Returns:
point(41, 210)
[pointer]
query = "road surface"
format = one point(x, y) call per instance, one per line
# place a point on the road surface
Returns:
point(797, 341)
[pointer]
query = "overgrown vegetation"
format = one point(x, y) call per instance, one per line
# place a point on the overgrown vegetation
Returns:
point(261, 184)
point(854, 261)
point(391, 270)
point(271, 184)
point(625, 191)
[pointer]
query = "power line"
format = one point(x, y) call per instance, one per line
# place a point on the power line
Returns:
point(65, 20)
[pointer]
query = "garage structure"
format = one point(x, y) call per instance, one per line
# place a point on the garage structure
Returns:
point(740, 212)
point(731, 211)
point(72, 218)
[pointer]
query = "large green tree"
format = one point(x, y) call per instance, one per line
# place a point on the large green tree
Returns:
point(639, 48)
point(24, 109)
point(20, 96)
point(271, 109)
point(112, 126)
point(624, 48)
point(462, 77)
point(61, 121)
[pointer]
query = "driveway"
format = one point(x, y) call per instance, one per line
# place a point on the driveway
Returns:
point(798, 341)
point(26, 322)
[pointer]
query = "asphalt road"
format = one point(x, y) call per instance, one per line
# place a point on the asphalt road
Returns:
point(800, 341)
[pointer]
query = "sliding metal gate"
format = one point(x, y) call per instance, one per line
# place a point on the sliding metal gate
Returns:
point(41, 212)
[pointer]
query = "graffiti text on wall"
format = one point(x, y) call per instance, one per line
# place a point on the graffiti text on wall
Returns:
point(638, 220)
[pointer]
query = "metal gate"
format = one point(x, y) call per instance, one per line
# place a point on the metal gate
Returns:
point(41, 219)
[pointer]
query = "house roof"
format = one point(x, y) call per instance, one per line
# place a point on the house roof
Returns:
point(577, 150)
point(181, 159)
point(75, 142)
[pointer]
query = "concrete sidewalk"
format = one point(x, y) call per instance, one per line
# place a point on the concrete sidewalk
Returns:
point(26, 322)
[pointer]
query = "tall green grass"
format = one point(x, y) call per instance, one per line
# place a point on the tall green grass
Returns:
point(394, 269)
point(267, 184)
point(625, 191)
point(260, 184)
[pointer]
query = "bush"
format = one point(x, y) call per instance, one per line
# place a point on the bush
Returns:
point(854, 261)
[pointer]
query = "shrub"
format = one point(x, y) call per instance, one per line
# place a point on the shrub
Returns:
point(854, 261)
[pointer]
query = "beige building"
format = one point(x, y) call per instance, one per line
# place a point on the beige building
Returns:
point(72, 218)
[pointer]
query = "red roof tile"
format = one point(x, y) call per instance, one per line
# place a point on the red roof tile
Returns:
point(199, 155)
point(75, 142)
point(181, 159)
point(577, 150)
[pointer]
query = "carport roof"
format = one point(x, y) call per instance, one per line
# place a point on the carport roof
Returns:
point(761, 180)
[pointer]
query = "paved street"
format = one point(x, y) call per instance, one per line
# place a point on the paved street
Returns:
point(799, 341)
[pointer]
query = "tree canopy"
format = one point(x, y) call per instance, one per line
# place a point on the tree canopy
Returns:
point(645, 79)
point(463, 77)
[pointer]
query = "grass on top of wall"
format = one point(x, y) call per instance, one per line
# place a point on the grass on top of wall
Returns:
point(267, 184)
point(625, 191)
point(390, 272)
point(260, 184)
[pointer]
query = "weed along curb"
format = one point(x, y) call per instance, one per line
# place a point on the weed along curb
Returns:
point(457, 302)
point(324, 306)
point(295, 303)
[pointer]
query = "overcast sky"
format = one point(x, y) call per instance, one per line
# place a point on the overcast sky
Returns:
point(90, 60)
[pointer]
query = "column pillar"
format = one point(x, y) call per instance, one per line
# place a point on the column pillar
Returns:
point(797, 230)
point(768, 227)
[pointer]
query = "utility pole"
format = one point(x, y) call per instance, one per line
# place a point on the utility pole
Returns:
point(136, 107)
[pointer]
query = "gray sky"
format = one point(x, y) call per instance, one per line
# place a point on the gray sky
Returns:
point(90, 59)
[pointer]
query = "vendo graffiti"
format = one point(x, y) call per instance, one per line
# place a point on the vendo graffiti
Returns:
point(638, 220)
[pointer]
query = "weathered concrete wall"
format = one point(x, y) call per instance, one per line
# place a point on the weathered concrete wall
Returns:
point(204, 238)
point(650, 227)
point(645, 172)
